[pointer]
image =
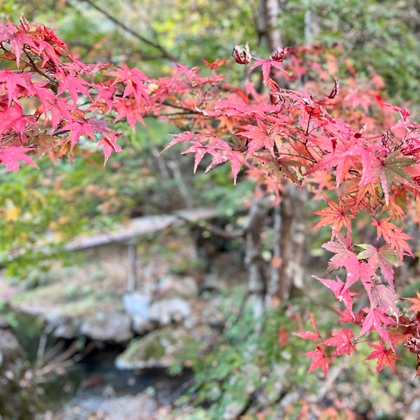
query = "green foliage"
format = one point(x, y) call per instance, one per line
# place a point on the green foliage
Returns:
point(247, 364)
point(378, 36)
point(199, 29)
point(381, 40)
point(42, 210)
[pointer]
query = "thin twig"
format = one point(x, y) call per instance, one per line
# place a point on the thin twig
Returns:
point(35, 68)
point(214, 229)
point(165, 54)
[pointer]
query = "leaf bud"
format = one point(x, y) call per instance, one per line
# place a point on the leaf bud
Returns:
point(279, 55)
point(242, 55)
point(276, 98)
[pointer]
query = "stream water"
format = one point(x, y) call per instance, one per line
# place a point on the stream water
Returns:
point(95, 374)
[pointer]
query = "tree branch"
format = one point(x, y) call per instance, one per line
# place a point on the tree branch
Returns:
point(165, 54)
point(221, 233)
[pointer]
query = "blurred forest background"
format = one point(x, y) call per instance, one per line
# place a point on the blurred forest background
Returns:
point(98, 323)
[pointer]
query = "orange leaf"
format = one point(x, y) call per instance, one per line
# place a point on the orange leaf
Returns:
point(416, 303)
point(334, 215)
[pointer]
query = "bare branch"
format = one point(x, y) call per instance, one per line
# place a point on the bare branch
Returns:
point(165, 54)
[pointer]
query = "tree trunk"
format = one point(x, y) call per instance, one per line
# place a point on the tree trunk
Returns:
point(257, 282)
point(312, 27)
point(266, 23)
point(292, 242)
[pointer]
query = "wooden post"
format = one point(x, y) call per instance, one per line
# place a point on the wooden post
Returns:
point(132, 267)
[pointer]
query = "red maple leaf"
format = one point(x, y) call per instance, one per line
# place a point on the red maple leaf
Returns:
point(393, 235)
point(375, 320)
point(10, 157)
point(10, 33)
point(73, 84)
point(341, 246)
point(383, 258)
point(339, 290)
point(347, 315)
point(108, 142)
point(59, 108)
point(88, 128)
point(343, 158)
point(266, 67)
point(12, 118)
point(385, 356)
point(217, 63)
point(385, 298)
point(342, 340)
point(334, 91)
point(390, 169)
point(357, 270)
point(105, 93)
point(309, 335)
point(207, 143)
point(128, 109)
point(384, 228)
point(405, 330)
point(318, 360)
point(14, 83)
point(400, 242)
point(260, 136)
point(190, 73)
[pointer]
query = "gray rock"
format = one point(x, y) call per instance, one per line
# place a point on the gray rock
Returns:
point(141, 325)
point(16, 400)
point(137, 304)
point(164, 311)
point(415, 405)
point(211, 282)
point(4, 323)
point(108, 326)
point(213, 316)
point(62, 326)
point(274, 385)
point(138, 407)
point(171, 286)
point(68, 329)
point(234, 409)
point(288, 399)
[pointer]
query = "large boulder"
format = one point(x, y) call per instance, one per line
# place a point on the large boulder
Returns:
point(4, 323)
point(108, 326)
point(17, 398)
point(137, 306)
point(166, 311)
point(147, 315)
point(159, 348)
point(171, 286)
point(128, 407)
point(62, 326)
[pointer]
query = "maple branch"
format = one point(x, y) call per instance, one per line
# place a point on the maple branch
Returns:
point(214, 229)
point(34, 67)
point(297, 156)
point(165, 54)
point(178, 107)
point(307, 127)
point(309, 159)
point(177, 114)
point(312, 159)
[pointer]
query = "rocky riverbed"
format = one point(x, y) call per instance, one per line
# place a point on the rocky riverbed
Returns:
point(131, 339)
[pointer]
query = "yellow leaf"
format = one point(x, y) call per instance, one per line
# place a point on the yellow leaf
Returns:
point(12, 213)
